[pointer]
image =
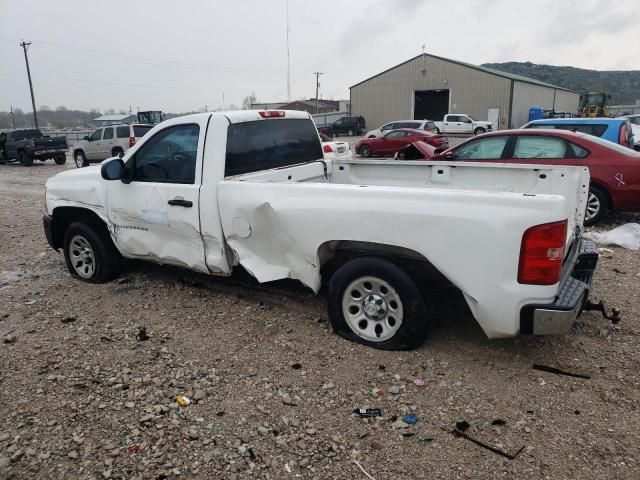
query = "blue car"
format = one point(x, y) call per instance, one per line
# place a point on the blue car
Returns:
point(616, 130)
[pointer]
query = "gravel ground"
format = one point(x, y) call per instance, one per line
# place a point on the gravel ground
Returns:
point(273, 390)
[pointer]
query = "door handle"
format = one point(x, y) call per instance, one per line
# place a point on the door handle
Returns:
point(181, 203)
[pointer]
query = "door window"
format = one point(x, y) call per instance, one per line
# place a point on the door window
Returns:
point(483, 149)
point(169, 156)
point(539, 147)
point(396, 135)
point(453, 118)
point(96, 135)
point(108, 134)
point(122, 132)
point(388, 126)
point(464, 119)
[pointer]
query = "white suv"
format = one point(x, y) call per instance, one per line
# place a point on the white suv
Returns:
point(426, 125)
point(108, 142)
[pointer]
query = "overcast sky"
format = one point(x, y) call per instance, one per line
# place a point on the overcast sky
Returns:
point(181, 55)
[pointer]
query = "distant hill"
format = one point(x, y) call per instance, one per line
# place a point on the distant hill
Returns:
point(624, 86)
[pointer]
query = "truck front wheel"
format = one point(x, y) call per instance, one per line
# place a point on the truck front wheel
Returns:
point(90, 254)
point(374, 302)
point(25, 159)
point(479, 130)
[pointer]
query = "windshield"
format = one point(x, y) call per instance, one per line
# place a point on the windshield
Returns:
point(472, 118)
point(595, 99)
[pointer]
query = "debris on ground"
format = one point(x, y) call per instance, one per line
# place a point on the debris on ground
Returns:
point(410, 419)
point(499, 422)
point(183, 401)
point(557, 371)
point(625, 236)
point(462, 433)
point(368, 412)
point(142, 334)
point(68, 319)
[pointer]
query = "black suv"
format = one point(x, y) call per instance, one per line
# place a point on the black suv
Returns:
point(345, 126)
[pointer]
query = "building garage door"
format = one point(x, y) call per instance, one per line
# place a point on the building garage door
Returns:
point(430, 104)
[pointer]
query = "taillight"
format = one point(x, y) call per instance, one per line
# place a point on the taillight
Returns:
point(541, 254)
point(624, 139)
point(327, 149)
point(272, 114)
point(132, 141)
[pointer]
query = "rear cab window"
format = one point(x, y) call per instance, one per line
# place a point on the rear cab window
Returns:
point(141, 130)
point(272, 143)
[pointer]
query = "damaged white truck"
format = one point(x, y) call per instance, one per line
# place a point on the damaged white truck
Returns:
point(211, 192)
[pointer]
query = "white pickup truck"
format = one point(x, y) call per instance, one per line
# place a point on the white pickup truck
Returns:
point(462, 123)
point(213, 191)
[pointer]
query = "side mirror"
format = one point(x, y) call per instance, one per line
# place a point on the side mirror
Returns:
point(448, 156)
point(113, 170)
point(86, 137)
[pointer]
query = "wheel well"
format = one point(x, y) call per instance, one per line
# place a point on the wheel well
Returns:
point(116, 149)
point(65, 216)
point(333, 254)
point(76, 151)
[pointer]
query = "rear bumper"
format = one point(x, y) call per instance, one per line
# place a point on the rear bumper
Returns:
point(558, 317)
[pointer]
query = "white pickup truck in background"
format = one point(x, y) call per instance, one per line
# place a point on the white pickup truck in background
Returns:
point(214, 191)
point(462, 123)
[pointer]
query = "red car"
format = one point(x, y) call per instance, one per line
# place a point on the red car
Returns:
point(614, 169)
point(396, 139)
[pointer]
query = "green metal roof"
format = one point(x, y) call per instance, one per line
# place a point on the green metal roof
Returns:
point(490, 71)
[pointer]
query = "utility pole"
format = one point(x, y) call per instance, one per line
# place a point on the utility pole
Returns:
point(288, 59)
point(24, 46)
point(13, 118)
point(317, 74)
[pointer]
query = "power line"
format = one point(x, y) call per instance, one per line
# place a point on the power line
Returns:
point(153, 61)
point(24, 46)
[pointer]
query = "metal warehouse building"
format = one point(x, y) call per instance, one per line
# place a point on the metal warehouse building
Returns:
point(428, 87)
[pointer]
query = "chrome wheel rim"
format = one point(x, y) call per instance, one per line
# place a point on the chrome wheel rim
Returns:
point(82, 256)
point(79, 161)
point(372, 308)
point(593, 206)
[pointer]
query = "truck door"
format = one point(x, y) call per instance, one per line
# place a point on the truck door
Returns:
point(156, 216)
point(465, 125)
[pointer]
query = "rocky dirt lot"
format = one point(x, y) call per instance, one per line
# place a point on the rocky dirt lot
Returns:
point(273, 390)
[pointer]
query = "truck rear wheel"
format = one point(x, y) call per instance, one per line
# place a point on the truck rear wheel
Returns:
point(60, 159)
point(90, 254)
point(374, 302)
point(25, 159)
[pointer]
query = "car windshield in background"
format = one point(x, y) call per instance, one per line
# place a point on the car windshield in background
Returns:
point(590, 129)
point(141, 130)
point(265, 144)
point(616, 146)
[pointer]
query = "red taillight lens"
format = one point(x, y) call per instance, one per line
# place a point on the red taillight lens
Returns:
point(327, 149)
point(272, 114)
point(132, 141)
point(542, 253)
point(624, 138)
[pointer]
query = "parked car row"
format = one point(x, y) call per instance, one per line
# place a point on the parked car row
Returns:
point(614, 169)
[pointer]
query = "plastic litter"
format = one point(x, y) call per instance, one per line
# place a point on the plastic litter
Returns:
point(410, 419)
point(68, 320)
point(499, 422)
point(626, 236)
point(419, 381)
point(142, 334)
point(368, 412)
point(183, 401)
point(425, 438)
point(296, 366)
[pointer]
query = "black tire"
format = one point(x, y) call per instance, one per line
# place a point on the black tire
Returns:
point(106, 259)
point(598, 205)
point(60, 159)
point(350, 133)
point(415, 323)
point(365, 151)
point(479, 131)
point(25, 159)
point(116, 151)
point(79, 159)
